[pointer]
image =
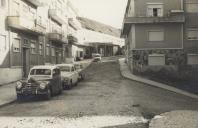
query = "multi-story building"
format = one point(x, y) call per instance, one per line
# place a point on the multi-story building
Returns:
point(160, 34)
point(22, 40)
point(56, 36)
point(99, 38)
point(31, 33)
point(74, 49)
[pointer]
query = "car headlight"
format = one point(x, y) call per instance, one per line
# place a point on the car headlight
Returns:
point(42, 85)
point(19, 85)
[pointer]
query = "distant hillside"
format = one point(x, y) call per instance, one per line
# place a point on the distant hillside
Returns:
point(98, 27)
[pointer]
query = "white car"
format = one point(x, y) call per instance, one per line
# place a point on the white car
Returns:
point(79, 69)
point(97, 57)
point(69, 75)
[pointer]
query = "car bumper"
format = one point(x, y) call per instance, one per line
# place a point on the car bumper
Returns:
point(32, 92)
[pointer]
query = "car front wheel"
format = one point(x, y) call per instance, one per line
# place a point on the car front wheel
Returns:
point(70, 85)
point(48, 95)
point(19, 97)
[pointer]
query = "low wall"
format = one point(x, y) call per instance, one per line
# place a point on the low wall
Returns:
point(8, 75)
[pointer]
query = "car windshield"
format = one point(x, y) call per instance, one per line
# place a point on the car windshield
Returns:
point(65, 68)
point(40, 72)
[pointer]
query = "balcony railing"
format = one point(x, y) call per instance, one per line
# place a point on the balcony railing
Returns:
point(56, 15)
point(57, 37)
point(72, 23)
point(173, 17)
point(168, 19)
point(72, 38)
point(39, 26)
point(36, 3)
point(24, 24)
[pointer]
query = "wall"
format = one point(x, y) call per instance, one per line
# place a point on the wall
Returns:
point(10, 74)
point(191, 22)
point(92, 36)
point(172, 36)
point(141, 6)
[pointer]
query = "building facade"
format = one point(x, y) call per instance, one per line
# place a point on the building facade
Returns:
point(160, 34)
point(99, 38)
point(31, 33)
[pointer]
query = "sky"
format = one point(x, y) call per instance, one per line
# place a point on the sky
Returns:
point(110, 12)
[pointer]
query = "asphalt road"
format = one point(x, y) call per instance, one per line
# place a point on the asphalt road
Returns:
point(104, 92)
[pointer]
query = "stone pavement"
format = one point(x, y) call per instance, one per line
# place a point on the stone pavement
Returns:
point(125, 71)
point(175, 119)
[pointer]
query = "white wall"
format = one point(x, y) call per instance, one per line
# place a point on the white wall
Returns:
point(92, 36)
point(10, 74)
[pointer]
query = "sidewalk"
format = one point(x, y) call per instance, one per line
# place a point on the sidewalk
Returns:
point(7, 94)
point(125, 71)
point(175, 119)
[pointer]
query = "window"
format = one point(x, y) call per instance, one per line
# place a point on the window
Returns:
point(192, 59)
point(156, 59)
point(26, 42)
point(2, 43)
point(16, 45)
point(33, 47)
point(192, 34)
point(192, 7)
point(2, 3)
point(47, 49)
point(40, 48)
point(155, 10)
point(53, 51)
point(40, 72)
point(156, 35)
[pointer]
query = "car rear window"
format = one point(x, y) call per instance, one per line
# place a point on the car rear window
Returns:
point(40, 72)
point(65, 68)
point(96, 55)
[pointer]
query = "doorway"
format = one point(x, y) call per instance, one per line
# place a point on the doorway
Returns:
point(25, 59)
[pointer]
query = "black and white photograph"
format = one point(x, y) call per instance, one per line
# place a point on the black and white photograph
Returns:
point(98, 63)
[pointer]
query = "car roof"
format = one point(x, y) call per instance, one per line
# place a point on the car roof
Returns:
point(69, 65)
point(44, 67)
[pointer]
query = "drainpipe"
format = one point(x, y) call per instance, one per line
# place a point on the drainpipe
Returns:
point(9, 38)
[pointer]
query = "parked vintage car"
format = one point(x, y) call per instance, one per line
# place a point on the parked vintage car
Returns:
point(97, 57)
point(79, 69)
point(42, 80)
point(69, 75)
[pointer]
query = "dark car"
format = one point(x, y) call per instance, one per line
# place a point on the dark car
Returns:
point(42, 81)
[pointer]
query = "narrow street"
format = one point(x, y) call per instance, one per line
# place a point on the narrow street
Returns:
point(104, 92)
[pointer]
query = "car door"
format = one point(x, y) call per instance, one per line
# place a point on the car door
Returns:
point(59, 79)
point(55, 81)
point(75, 75)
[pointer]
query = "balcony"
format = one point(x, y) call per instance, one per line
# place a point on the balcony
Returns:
point(173, 17)
point(145, 20)
point(24, 24)
point(40, 27)
point(36, 3)
point(56, 15)
point(72, 38)
point(72, 24)
point(57, 37)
